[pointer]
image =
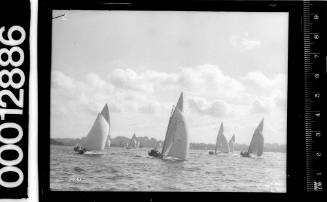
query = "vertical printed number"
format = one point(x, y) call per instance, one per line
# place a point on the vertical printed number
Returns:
point(10, 81)
point(12, 126)
point(14, 148)
point(18, 101)
point(15, 78)
point(9, 54)
point(11, 169)
point(11, 41)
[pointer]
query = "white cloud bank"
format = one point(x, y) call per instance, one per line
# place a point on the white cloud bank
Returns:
point(210, 96)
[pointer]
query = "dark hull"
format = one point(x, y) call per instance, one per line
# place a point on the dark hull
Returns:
point(154, 153)
point(245, 154)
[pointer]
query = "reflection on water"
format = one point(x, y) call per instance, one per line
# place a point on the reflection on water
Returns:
point(134, 170)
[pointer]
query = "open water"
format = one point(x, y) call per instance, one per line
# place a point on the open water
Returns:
point(133, 170)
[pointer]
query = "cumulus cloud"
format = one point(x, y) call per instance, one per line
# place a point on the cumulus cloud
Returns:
point(147, 81)
point(216, 108)
point(202, 80)
point(96, 81)
point(207, 89)
point(261, 80)
point(244, 42)
point(127, 79)
point(210, 80)
point(60, 80)
point(260, 107)
point(90, 94)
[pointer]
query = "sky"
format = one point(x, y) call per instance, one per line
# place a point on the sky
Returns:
point(231, 67)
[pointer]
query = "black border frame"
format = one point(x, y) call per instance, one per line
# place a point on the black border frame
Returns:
point(295, 102)
point(18, 13)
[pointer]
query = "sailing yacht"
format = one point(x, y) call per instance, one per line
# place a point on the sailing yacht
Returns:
point(176, 140)
point(222, 145)
point(231, 143)
point(257, 142)
point(98, 135)
point(133, 143)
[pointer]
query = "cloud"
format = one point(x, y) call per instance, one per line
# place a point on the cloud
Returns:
point(127, 79)
point(96, 81)
point(89, 95)
point(209, 80)
point(260, 79)
point(259, 107)
point(243, 42)
point(216, 108)
point(208, 91)
point(60, 80)
point(203, 80)
point(147, 81)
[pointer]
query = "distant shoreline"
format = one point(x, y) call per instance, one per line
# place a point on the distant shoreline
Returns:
point(145, 142)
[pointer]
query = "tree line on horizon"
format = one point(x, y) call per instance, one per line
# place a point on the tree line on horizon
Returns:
point(146, 142)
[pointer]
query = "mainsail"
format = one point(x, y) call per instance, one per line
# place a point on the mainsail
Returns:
point(231, 143)
point(98, 135)
point(257, 142)
point(176, 139)
point(179, 147)
point(105, 114)
point(96, 138)
point(222, 143)
point(133, 143)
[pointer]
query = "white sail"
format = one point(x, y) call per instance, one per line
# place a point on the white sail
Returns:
point(179, 147)
point(221, 143)
point(133, 143)
point(169, 135)
point(176, 139)
point(257, 141)
point(106, 115)
point(231, 143)
point(97, 136)
point(180, 103)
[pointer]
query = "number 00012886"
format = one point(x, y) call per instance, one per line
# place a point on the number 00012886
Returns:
point(9, 67)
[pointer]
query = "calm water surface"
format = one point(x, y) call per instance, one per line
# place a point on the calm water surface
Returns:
point(133, 170)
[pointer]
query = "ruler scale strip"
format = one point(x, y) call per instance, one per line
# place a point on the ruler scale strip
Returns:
point(311, 38)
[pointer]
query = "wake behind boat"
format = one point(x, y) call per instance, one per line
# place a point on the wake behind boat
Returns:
point(94, 153)
point(98, 136)
point(257, 142)
point(176, 140)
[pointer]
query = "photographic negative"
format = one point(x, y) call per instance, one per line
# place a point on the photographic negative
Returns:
point(168, 101)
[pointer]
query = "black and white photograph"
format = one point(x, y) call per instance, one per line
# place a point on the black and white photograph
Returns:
point(168, 101)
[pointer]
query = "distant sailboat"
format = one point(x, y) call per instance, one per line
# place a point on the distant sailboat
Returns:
point(98, 135)
point(158, 146)
point(133, 143)
point(231, 143)
point(176, 140)
point(222, 143)
point(257, 142)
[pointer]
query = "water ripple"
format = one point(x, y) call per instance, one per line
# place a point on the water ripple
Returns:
point(133, 170)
